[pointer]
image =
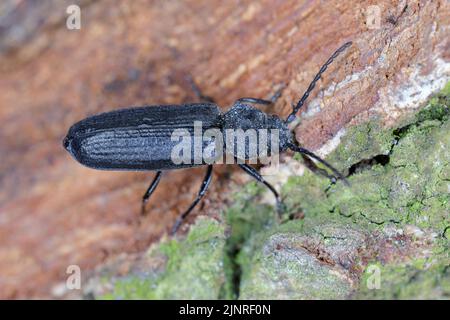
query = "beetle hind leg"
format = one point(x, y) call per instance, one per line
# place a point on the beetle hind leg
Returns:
point(205, 184)
point(151, 188)
point(198, 92)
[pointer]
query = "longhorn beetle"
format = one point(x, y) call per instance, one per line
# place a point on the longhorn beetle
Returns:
point(139, 138)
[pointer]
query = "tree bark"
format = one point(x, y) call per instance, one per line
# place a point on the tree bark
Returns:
point(55, 213)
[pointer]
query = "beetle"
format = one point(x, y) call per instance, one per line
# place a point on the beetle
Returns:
point(139, 138)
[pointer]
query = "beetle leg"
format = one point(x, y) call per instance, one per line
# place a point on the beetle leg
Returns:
point(150, 190)
point(253, 100)
point(198, 92)
point(316, 157)
point(201, 193)
point(315, 169)
point(272, 99)
point(255, 174)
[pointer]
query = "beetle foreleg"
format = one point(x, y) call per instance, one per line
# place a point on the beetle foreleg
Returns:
point(315, 169)
point(316, 157)
point(150, 190)
point(255, 174)
point(201, 193)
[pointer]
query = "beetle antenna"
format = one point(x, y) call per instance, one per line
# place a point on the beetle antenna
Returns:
point(316, 157)
point(305, 96)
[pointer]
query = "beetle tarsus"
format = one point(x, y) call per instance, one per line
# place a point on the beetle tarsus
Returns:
point(257, 176)
point(176, 226)
point(151, 188)
point(281, 208)
point(310, 154)
point(315, 169)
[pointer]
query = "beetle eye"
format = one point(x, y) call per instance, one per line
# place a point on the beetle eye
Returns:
point(251, 115)
point(66, 142)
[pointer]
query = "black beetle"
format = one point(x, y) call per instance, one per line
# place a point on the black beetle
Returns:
point(139, 138)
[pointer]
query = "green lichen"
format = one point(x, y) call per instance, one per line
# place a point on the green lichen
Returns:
point(412, 187)
point(363, 142)
point(420, 279)
point(398, 177)
point(281, 266)
point(193, 268)
point(245, 218)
